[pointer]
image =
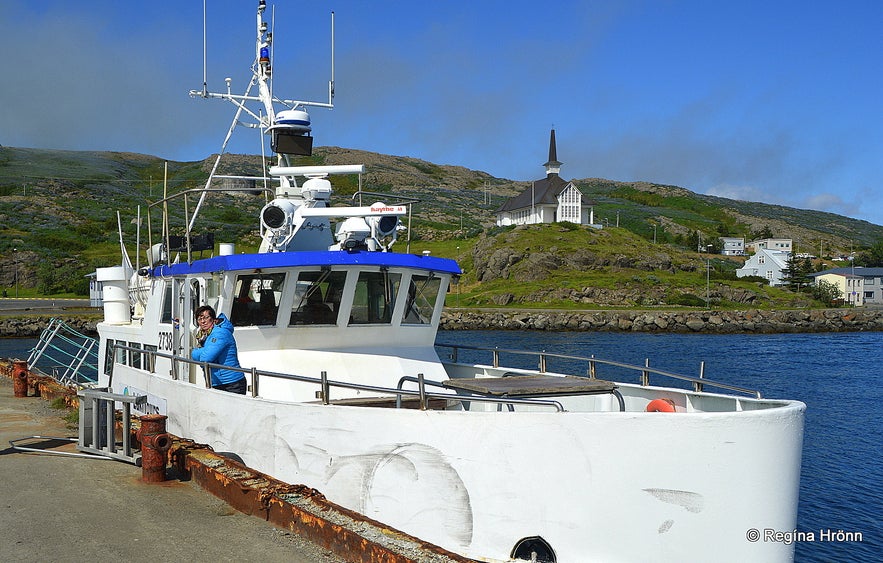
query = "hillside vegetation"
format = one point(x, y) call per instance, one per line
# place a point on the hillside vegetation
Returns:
point(59, 213)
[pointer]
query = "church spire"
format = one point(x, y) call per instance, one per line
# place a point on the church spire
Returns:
point(552, 166)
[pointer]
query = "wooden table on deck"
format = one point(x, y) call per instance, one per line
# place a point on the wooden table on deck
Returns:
point(529, 386)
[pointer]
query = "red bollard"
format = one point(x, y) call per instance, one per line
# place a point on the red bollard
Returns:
point(155, 444)
point(20, 378)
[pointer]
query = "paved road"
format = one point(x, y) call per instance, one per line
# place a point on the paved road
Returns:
point(12, 305)
point(70, 509)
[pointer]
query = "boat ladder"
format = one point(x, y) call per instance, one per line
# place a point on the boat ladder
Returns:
point(97, 429)
point(72, 356)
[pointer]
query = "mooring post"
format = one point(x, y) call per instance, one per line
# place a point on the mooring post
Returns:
point(155, 444)
point(20, 378)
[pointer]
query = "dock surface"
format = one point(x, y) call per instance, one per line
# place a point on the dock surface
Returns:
point(55, 508)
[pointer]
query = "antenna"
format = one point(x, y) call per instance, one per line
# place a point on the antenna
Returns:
point(331, 82)
point(204, 50)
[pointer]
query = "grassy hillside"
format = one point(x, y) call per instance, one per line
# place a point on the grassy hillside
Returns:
point(564, 266)
point(59, 210)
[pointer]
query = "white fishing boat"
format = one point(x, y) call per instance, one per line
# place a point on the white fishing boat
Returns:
point(347, 393)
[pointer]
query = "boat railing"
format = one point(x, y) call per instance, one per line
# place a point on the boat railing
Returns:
point(187, 240)
point(325, 384)
point(698, 383)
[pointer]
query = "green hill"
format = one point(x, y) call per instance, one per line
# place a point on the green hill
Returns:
point(59, 211)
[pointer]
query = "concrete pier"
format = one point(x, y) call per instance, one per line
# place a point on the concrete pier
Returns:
point(56, 508)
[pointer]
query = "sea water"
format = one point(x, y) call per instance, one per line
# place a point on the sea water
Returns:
point(837, 375)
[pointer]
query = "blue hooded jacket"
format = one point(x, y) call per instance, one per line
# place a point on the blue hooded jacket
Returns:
point(220, 348)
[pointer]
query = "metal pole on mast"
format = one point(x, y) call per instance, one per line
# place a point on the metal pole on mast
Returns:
point(204, 50)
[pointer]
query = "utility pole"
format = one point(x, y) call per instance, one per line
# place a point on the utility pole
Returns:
point(708, 280)
point(458, 281)
point(15, 262)
point(533, 212)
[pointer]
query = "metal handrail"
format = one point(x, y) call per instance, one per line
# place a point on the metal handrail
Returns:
point(325, 384)
point(79, 360)
point(699, 383)
point(187, 220)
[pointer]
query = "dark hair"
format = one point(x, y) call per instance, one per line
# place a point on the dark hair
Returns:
point(205, 309)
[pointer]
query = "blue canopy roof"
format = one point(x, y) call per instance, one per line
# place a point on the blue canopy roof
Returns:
point(318, 258)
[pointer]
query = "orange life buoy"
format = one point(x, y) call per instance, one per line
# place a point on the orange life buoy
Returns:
point(661, 405)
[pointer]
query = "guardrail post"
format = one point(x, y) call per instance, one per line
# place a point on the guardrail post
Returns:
point(645, 375)
point(254, 382)
point(325, 388)
point(496, 358)
point(421, 386)
point(542, 364)
point(454, 354)
point(592, 373)
point(697, 385)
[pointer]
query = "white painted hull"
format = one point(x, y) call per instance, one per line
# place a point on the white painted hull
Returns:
point(597, 486)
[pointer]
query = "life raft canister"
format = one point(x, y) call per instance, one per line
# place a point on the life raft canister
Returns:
point(661, 405)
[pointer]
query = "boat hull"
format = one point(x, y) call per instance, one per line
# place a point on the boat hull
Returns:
point(596, 486)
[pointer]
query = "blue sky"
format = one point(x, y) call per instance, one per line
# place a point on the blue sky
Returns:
point(774, 101)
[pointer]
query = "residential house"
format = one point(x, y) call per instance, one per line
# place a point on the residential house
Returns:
point(870, 291)
point(547, 200)
point(768, 264)
point(782, 244)
point(733, 246)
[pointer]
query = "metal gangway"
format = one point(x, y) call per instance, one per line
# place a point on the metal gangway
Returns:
point(67, 355)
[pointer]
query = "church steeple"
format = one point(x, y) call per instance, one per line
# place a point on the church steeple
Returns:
point(552, 166)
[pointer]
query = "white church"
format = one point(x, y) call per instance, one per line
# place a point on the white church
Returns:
point(548, 200)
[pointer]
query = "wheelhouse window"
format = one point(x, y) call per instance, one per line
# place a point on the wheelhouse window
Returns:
point(195, 300)
point(374, 297)
point(256, 299)
point(317, 297)
point(149, 358)
point(135, 355)
point(108, 357)
point(167, 304)
point(422, 297)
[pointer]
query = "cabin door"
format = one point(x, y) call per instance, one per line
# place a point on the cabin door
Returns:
point(181, 322)
point(193, 298)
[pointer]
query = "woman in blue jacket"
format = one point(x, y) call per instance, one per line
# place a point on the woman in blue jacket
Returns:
point(217, 346)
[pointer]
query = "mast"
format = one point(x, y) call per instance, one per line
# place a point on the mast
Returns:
point(267, 119)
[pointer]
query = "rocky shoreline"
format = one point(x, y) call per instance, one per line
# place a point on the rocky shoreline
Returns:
point(714, 322)
point(32, 326)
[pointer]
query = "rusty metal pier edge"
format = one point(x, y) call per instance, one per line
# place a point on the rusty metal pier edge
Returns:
point(296, 508)
point(301, 510)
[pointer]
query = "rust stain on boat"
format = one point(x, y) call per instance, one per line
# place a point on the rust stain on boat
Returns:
point(302, 510)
